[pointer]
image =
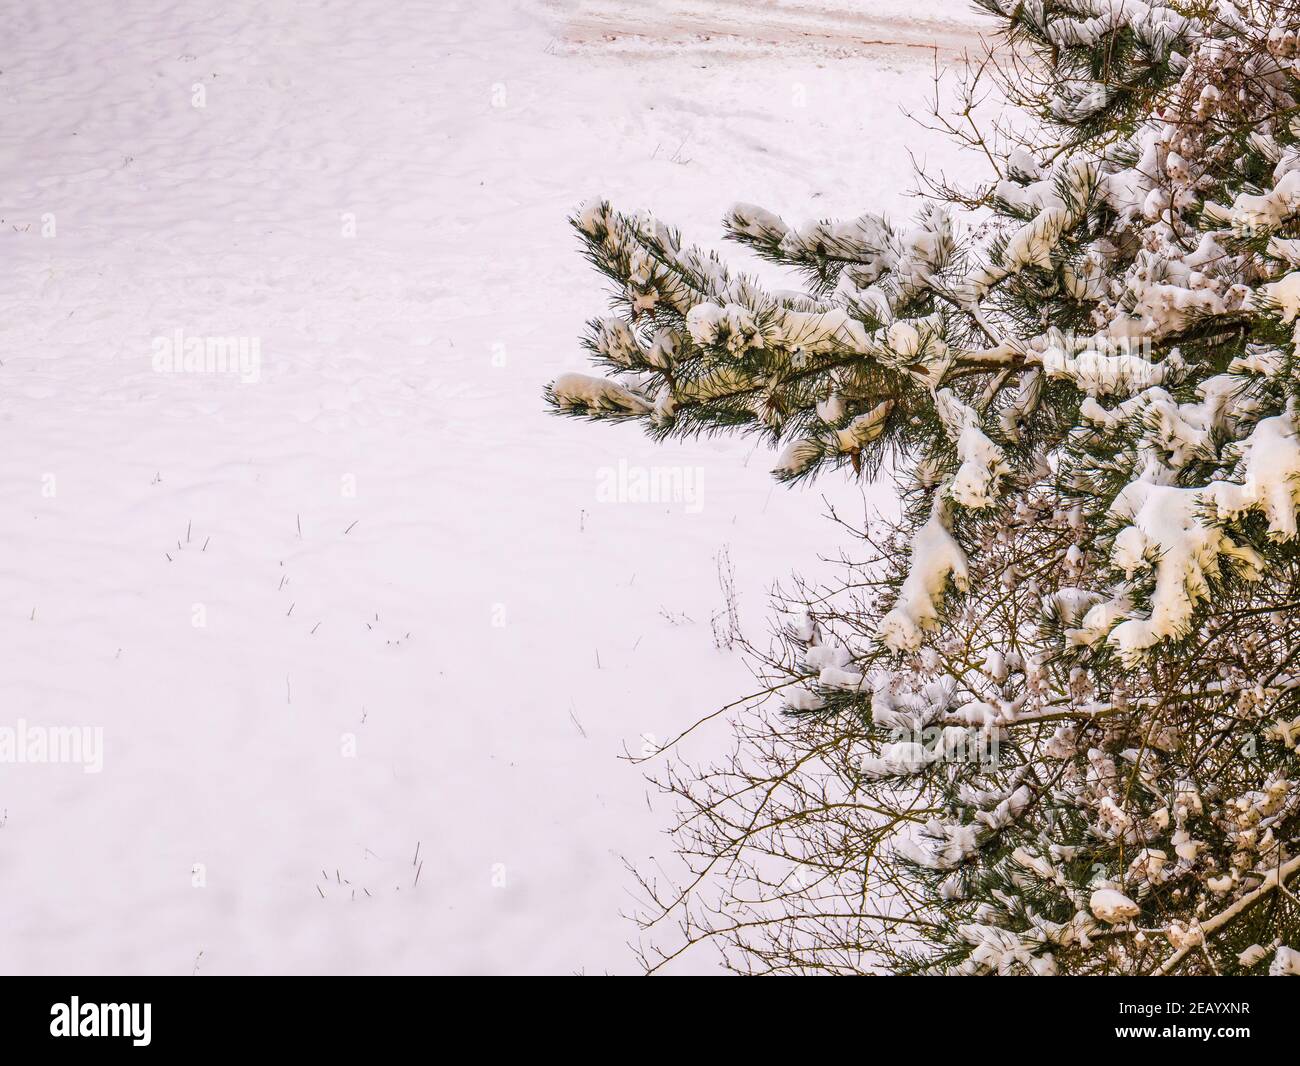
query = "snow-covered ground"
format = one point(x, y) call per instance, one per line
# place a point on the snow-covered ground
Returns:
point(377, 598)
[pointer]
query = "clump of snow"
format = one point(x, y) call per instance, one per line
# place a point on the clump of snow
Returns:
point(810, 332)
point(1171, 528)
point(1286, 962)
point(1069, 603)
point(1184, 935)
point(1267, 209)
point(895, 760)
point(1272, 459)
point(1148, 865)
point(731, 326)
point(863, 429)
point(982, 464)
point(1186, 430)
point(1258, 359)
point(1007, 810)
point(1059, 201)
point(996, 950)
point(594, 215)
point(837, 677)
point(1112, 906)
point(1285, 293)
point(796, 457)
point(584, 390)
point(1169, 533)
point(938, 845)
point(1252, 956)
point(907, 710)
point(1022, 164)
point(799, 698)
point(935, 557)
point(1099, 374)
point(614, 338)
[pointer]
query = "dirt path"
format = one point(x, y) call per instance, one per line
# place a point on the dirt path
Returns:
point(737, 27)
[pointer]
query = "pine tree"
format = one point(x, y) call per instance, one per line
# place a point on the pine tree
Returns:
point(1048, 720)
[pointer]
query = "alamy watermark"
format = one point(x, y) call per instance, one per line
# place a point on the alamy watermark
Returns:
point(1141, 347)
point(81, 745)
point(177, 353)
point(129, 1021)
point(909, 750)
point(626, 483)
